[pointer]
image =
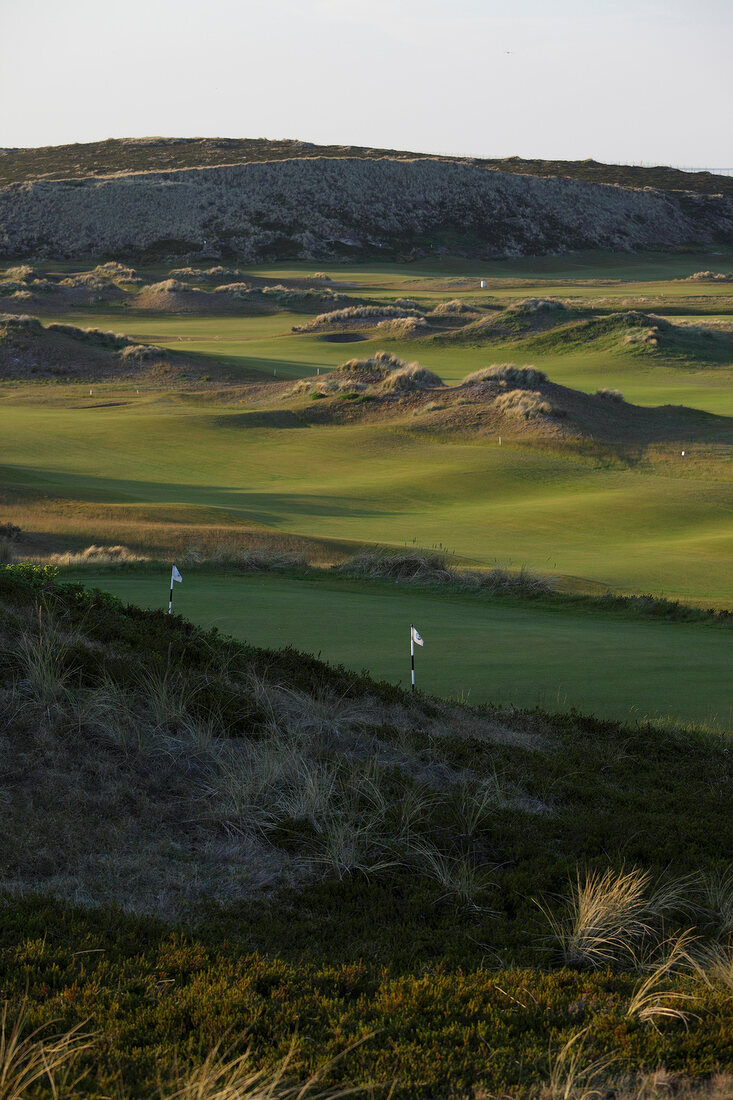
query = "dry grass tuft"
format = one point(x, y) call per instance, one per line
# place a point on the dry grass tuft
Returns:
point(98, 555)
point(572, 1076)
point(355, 315)
point(519, 377)
point(505, 581)
point(41, 653)
point(399, 565)
point(410, 378)
point(717, 900)
point(222, 1076)
point(34, 1060)
point(454, 306)
point(528, 404)
point(654, 999)
point(611, 916)
point(611, 395)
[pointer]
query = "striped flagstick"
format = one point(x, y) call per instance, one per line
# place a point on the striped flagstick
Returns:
point(175, 576)
point(414, 638)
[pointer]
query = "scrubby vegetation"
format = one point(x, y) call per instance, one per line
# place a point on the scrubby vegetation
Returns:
point(356, 206)
point(356, 314)
point(357, 866)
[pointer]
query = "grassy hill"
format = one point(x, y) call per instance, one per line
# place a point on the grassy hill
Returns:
point(102, 158)
point(210, 843)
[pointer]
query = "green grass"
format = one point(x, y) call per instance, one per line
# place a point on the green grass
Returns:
point(630, 518)
point(653, 523)
point(500, 651)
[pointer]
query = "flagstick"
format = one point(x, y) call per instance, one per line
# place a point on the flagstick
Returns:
point(170, 601)
point(412, 654)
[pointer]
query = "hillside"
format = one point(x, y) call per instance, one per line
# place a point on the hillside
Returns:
point(353, 864)
point(351, 207)
point(153, 154)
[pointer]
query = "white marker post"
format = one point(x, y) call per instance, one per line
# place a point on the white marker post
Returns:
point(175, 576)
point(414, 638)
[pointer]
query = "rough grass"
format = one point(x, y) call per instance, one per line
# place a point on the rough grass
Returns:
point(519, 377)
point(348, 855)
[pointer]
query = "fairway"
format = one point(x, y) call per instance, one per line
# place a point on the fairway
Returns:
point(162, 468)
point(480, 650)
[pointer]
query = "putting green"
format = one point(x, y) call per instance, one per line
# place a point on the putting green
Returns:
point(482, 650)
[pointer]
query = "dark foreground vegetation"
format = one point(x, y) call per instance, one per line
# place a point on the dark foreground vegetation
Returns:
point(207, 843)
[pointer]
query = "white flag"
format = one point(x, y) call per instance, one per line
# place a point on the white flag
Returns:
point(175, 575)
point(416, 637)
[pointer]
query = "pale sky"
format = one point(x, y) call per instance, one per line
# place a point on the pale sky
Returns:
point(619, 80)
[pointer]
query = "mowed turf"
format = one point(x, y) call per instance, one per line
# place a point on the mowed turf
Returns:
point(482, 650)
point(660, 525)
point(647, 521)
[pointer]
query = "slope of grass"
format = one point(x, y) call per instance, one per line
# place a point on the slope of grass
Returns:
point(502, 651)
point(640, 521)
point(437, 960)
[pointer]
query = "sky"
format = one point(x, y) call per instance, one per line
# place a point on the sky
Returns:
point(623, 81)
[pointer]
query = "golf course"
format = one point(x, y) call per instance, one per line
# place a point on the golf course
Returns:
point(187, 462)
point(366, 605)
